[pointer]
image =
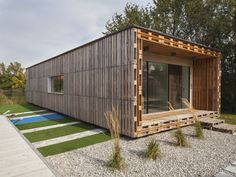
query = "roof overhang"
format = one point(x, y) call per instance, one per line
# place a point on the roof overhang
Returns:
point(168, 45)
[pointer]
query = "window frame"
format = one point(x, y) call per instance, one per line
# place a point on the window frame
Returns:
point(50, 84)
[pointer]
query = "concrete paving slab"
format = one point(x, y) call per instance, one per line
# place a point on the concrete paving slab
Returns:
point(67, 138)
point(231, 169)
point(28, 112)
point(223, 174)
point(49, 127)
point(17, 157)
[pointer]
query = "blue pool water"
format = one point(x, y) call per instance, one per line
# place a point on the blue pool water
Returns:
point(37, 119)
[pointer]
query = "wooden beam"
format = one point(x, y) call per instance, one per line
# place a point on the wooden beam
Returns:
point(175, 43)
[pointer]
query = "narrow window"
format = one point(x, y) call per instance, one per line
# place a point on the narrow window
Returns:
point(55, 84)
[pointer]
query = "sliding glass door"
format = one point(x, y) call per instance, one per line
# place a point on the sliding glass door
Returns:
point(175, 83)
point(163, 83)
point(185, 84)
point(155, 82)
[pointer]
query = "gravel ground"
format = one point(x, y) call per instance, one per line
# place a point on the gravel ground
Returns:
point(203, 158)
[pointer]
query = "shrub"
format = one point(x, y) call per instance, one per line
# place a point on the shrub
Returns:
point(153, 151)
point(198, 130)
point(3, 99)
point(180, 138)
point(112, 118)
point(116, 161)
point(179, 135)
point(197, 125)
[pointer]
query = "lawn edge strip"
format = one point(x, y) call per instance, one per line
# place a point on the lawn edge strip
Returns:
point(70, 137)
point(49, 127)
point(29, 114)
point(57, 132)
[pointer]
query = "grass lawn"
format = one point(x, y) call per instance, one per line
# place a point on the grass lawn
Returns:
point(45, 123)
point(57, 132)
point(74, 144)
point(229, 118)
point(16, 108)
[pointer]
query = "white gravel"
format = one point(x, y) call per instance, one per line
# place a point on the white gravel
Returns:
point(203, 158)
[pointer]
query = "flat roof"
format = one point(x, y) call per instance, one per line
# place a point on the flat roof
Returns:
point(129, 27)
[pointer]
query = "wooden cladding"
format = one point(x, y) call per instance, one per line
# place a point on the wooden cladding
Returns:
point(96, 76)
point(108, 71)
point(138, 81)
point(176, 43)
point(206, 84)
point(206, 72)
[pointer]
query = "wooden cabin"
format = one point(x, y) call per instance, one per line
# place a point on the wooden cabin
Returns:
point(137, 70)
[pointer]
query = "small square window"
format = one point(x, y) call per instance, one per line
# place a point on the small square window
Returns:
point(55, 84)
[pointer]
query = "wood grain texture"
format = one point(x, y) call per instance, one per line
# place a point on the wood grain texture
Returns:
point(96, 77)
point(206, 84)
point(108, 71)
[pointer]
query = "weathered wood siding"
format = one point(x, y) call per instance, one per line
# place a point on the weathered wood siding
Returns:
point(108, 72)
point(96, 76)
point(206, 84)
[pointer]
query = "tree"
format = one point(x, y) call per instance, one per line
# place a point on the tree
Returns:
point(12, 76)
point(210, 22)
point(5, 82)
point(133, 14)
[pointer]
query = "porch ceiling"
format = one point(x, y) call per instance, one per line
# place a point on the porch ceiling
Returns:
point(172, 51)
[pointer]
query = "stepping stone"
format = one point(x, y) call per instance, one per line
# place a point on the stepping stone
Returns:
point(223, 174)
point(67, 138)
point(228, 128)
point(231, 169)
point(28, 112)
point(49, 127)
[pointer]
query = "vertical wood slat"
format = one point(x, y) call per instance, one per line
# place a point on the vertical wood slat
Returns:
point(109, 71)
point(96, 76)
point(138, 82)
point(206, 85)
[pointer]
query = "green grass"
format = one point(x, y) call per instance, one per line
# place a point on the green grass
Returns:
point(229, 118)
point(57, 132)
point(74, 144)
point(16, 108)
point(45, 123)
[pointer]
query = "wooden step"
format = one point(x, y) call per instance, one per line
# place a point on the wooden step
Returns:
point(227, 128)
point(210, 122)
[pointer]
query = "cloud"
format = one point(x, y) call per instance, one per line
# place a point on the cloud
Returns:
point(32, 31)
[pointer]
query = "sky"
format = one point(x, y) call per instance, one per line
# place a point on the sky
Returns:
point(34, 30)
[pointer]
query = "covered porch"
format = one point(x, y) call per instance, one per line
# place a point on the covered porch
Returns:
point(168, 70)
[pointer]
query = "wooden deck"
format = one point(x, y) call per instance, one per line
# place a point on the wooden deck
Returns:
point(158, 122)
